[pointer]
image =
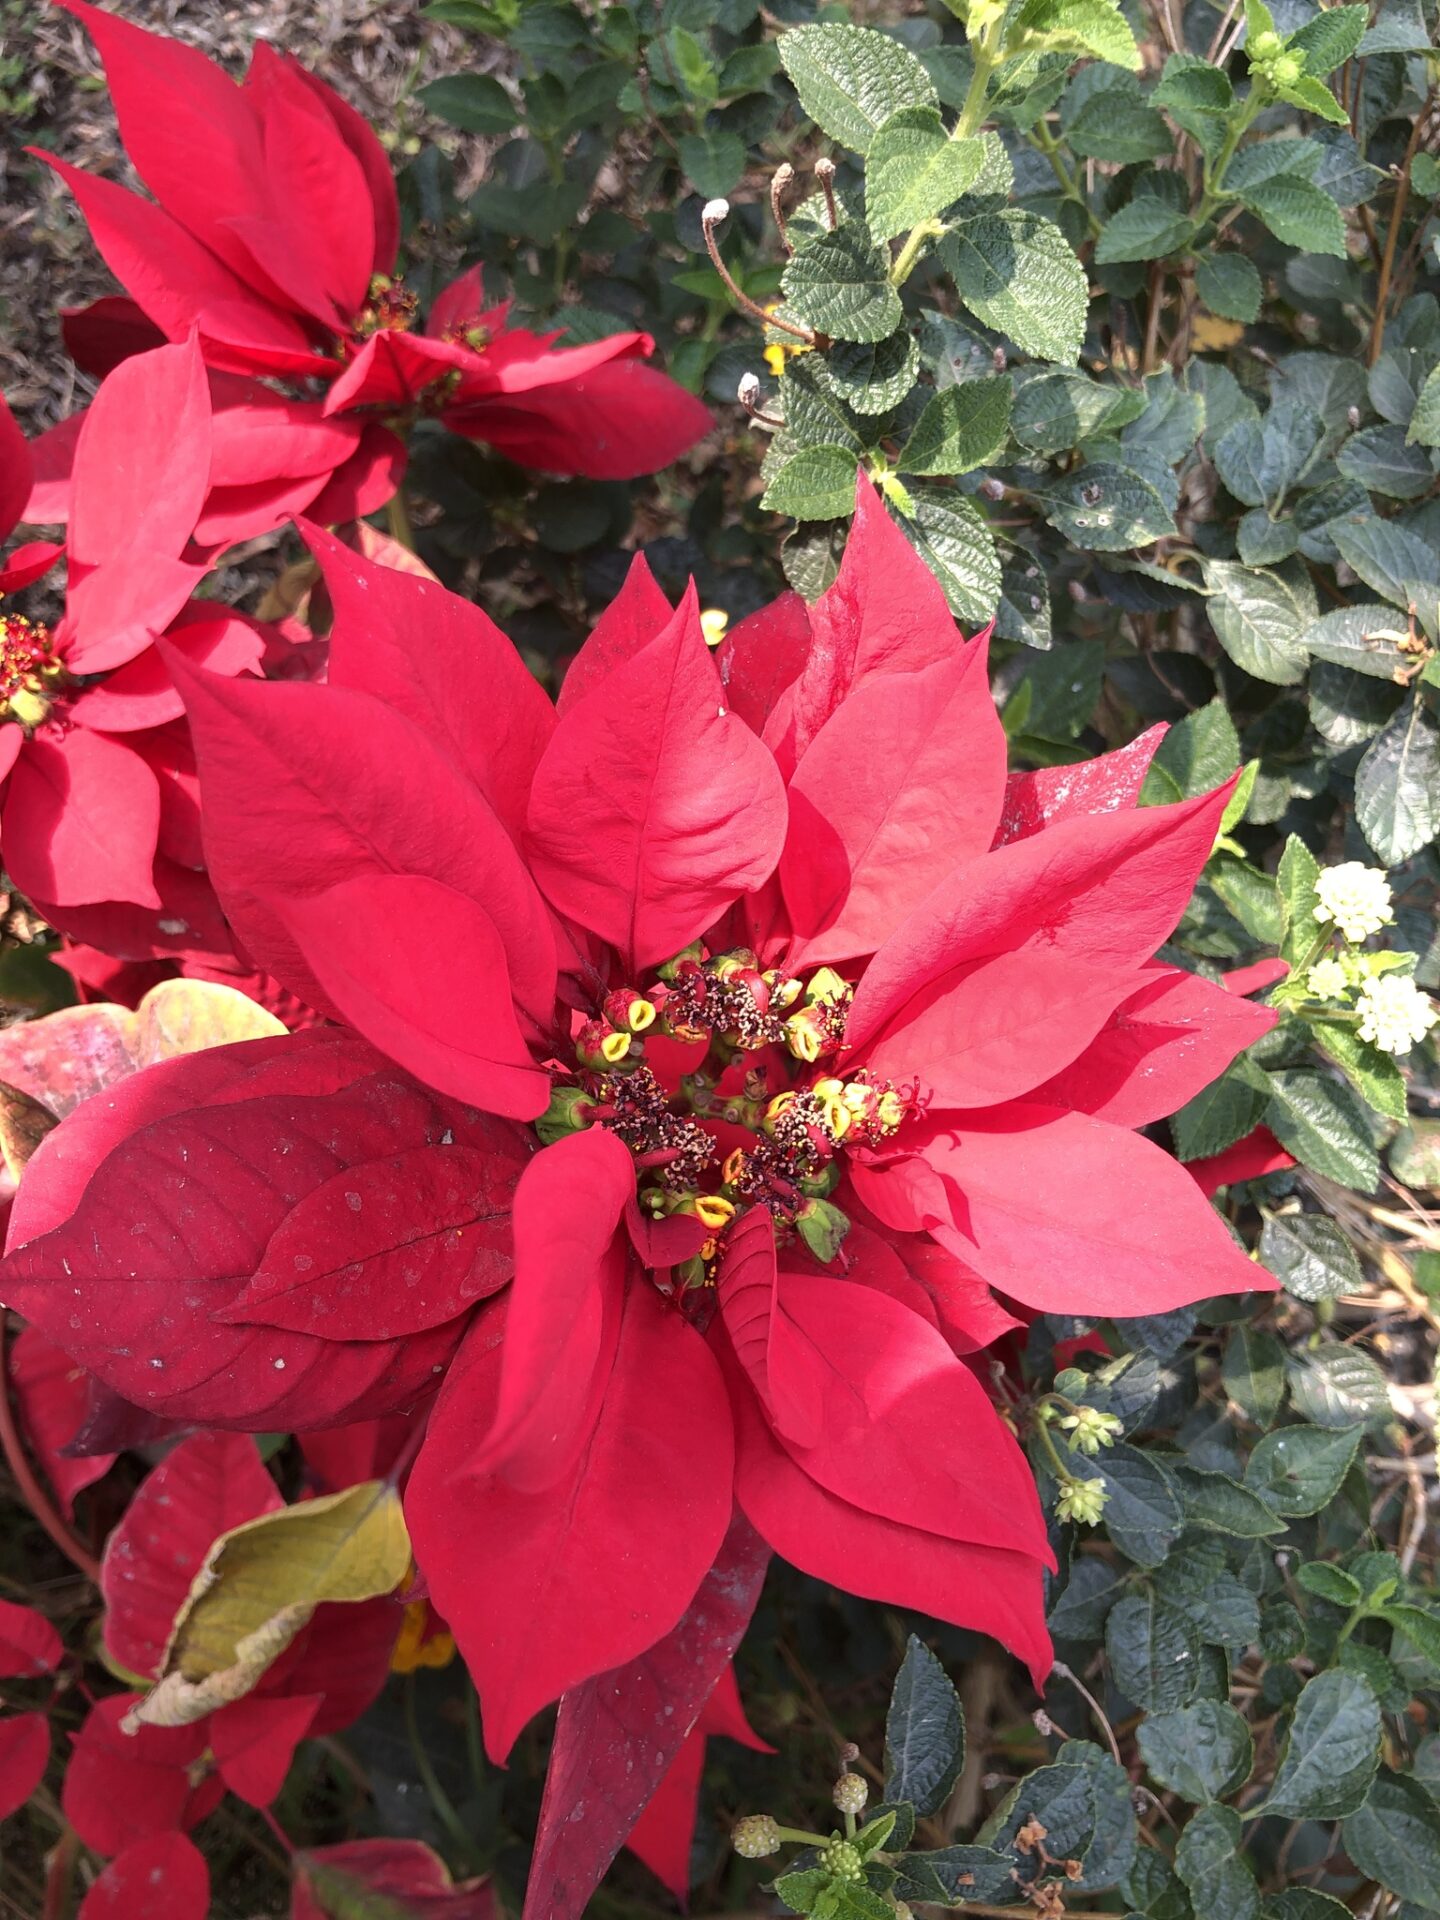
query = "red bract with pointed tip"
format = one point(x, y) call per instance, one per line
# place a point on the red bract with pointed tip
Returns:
point(273, 233)
point(835, 1039)
point(97, 826)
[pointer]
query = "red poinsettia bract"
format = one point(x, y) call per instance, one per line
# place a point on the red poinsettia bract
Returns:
point(100, 821)
point(741, 1029)
point(274, 233)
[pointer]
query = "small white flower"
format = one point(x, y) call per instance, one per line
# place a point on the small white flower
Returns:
point(1394, 1014)
point(1355, 898)
point(1328, 979)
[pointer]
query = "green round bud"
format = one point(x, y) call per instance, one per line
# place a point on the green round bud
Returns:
point(755, 1837)
point(1263, 47)
point(1287, 69)
point(850, 1793)
point(842, 1860)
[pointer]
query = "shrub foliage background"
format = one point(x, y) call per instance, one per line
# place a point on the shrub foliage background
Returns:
point(1132, 317)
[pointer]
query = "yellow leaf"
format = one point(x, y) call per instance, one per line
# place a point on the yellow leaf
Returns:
point(186, 1016)
point(258, 1587)
point(1210, 334)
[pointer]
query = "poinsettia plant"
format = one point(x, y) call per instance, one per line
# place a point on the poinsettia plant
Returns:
point(710, 1140)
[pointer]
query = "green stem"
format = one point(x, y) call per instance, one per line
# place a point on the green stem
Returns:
point(986, 50)
point(910, 252)
point(397, 518)
point(1255, 101)
point(444, 1806)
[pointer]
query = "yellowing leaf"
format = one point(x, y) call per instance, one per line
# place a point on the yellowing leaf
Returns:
point(1210, 334)
point(24, 1123)
point(259, 1585)
point(186, 1016)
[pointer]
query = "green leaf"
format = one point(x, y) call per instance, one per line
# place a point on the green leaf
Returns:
point(1298, 1470)
point(1303, 1903)
point(475, 102)
point(1386, 461)
point(1310, 1256)
point(1363, 638)
point(1425, 421)
point(851, 79)
point(916, 171)
point(815, 415)
point(1325, 1125)
point(924, 1732)
point(1104, 507)
point(960, 428)
point(1339, 1387)
point(1375, 1076)
point(1092, 1589)
point(1228, 284)
point(1258, 618)
point(1202, 1751)
point(1260, 461)
point(1148, 229)
point(948, 1875)
point(1018, 274)
point(1397, 785)
point(1394, 1839)
point(951, 536)
point(818, 484)
point(1331, 1750)
point(1420, 1628)
point(1208, 1860)
point(1253, 1373)
point(1198, 753)
point(1297, 212)
point(872, 376)
point(1329, 38)
point(1057, 410)
point(1142, 1514)
point(1105, 116)
point(1221, 1505)
point(1220, 1114)
point(1194, 86)
point(1313, 96)
point(1296, 878)
point(840, 284)
point(713, 163)
point(1080, 26)
point(1329, 1583)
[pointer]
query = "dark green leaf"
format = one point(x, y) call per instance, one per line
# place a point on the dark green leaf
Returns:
point(1202, 1751)
point(1057, 410)
point(1229, 285)
point(840, 284)
point(1208, 1859)
point(1297, 212)
point(874, 376)
point(1154, 1652)
point(1254, 1373)
point(961, 428)
point(1325, 1125)
point(1309, 1256)
point(1142, 1513)
point(1339, 1387)
point(924, 1732)
point(950, 534)
point(713, 162)
point(1394, 1839)
point(1148, 229)
point(818, 484)
point(1384, 461)
point(1017, 273)
point(1329, 39)
point(851, 79)
point(1223, 1113)
point(1259, 617)
point(1104, 507)
point(1298, 1470)
point(1329, 1583)
point(1363, 638)
point(1221, 1505)
point(1397, 784)
point(474, 101)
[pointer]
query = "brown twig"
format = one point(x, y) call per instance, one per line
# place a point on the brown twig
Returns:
point(1392, 237)
point(30, 1489)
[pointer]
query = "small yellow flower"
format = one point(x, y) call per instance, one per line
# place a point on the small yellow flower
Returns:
point(714, 624)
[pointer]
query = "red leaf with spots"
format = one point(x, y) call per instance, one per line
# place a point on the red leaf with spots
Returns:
point(1102, 785)
point(621, 1735)
point(654, 807)
point(399, 1878)
point(29, 1644)
point(166, 1874)
point(52, 1401)
point(207, 1485)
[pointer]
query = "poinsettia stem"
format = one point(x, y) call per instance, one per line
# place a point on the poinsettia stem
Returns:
point(30, 1489)
point(397, 518)
point(443, 1805)
point(60, 1876)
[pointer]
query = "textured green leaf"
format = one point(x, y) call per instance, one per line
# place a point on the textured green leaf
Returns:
point(1220, 1114)
point(1375, 1076)
point(1363, 638)
point(1386, 461)
point(1425, 421)
point(1105, 116)
point(1148, 229)
point(1330, 1752)
point(1330, 38)
point(1329, 1583)
point(712, 162)
point(1209, 1860)
point(1018, 274)
point(1258, 618)
point(1420, 1628)
point(1253, 1372)
point(950, 534)
point(1096, 27)
point(872, 376)
point(961, 428)
point(474, 101)
point(1297, 212)
point(1057, 410)
point(1400, 567)
point(1104, 507)
point(1339, 1387)
point(1219, 1504)
point(1298, 1470)
point(851, 79)
point(915, 171)
point(924, 1732)
point(1202, 1751)
point(1394, 1839)
point(1228, 284)
point(1397, 784)
point(840, 284)
point(1325, 1125)
point(818, 484)
point(1309, 1256)
point(1142, 1513)
point(1189, 82)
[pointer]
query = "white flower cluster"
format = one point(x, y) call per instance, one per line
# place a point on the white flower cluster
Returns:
point(1394, 1014)
point(1354, 898)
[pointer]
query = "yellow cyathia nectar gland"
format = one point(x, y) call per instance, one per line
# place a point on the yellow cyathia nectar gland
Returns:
point(629, 1010)
point(713, 1210)
point(714, 624)
point(756, 1837)
point(30, 675)
point(422, 1642)
point(390, 308)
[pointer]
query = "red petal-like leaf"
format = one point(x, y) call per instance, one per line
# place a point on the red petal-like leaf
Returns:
point(399, 1878)
point(165, 1874)
point(254, 1741)
point(1109, 781)
point(1257, 1154)
point(638, 614)
point(24, 1756)
point(51, 1403)
point(29, 1644)
point(17, 471)
point(899, 787)
point(654, 808)
point(619, 1734)
point(392, 1246)
point(123, 1787)
point(207, 1485)
point(544, 1591)
point(613, 422)
point(762, 656)
point(777, 1357)
point(81, 819)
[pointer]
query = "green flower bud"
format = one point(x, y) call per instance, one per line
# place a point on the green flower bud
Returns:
point(1082, 1501)
point(1287, 69)
point(822, 1226)
point(569, 1111)
point(842, 1860)
point(1263, 48)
